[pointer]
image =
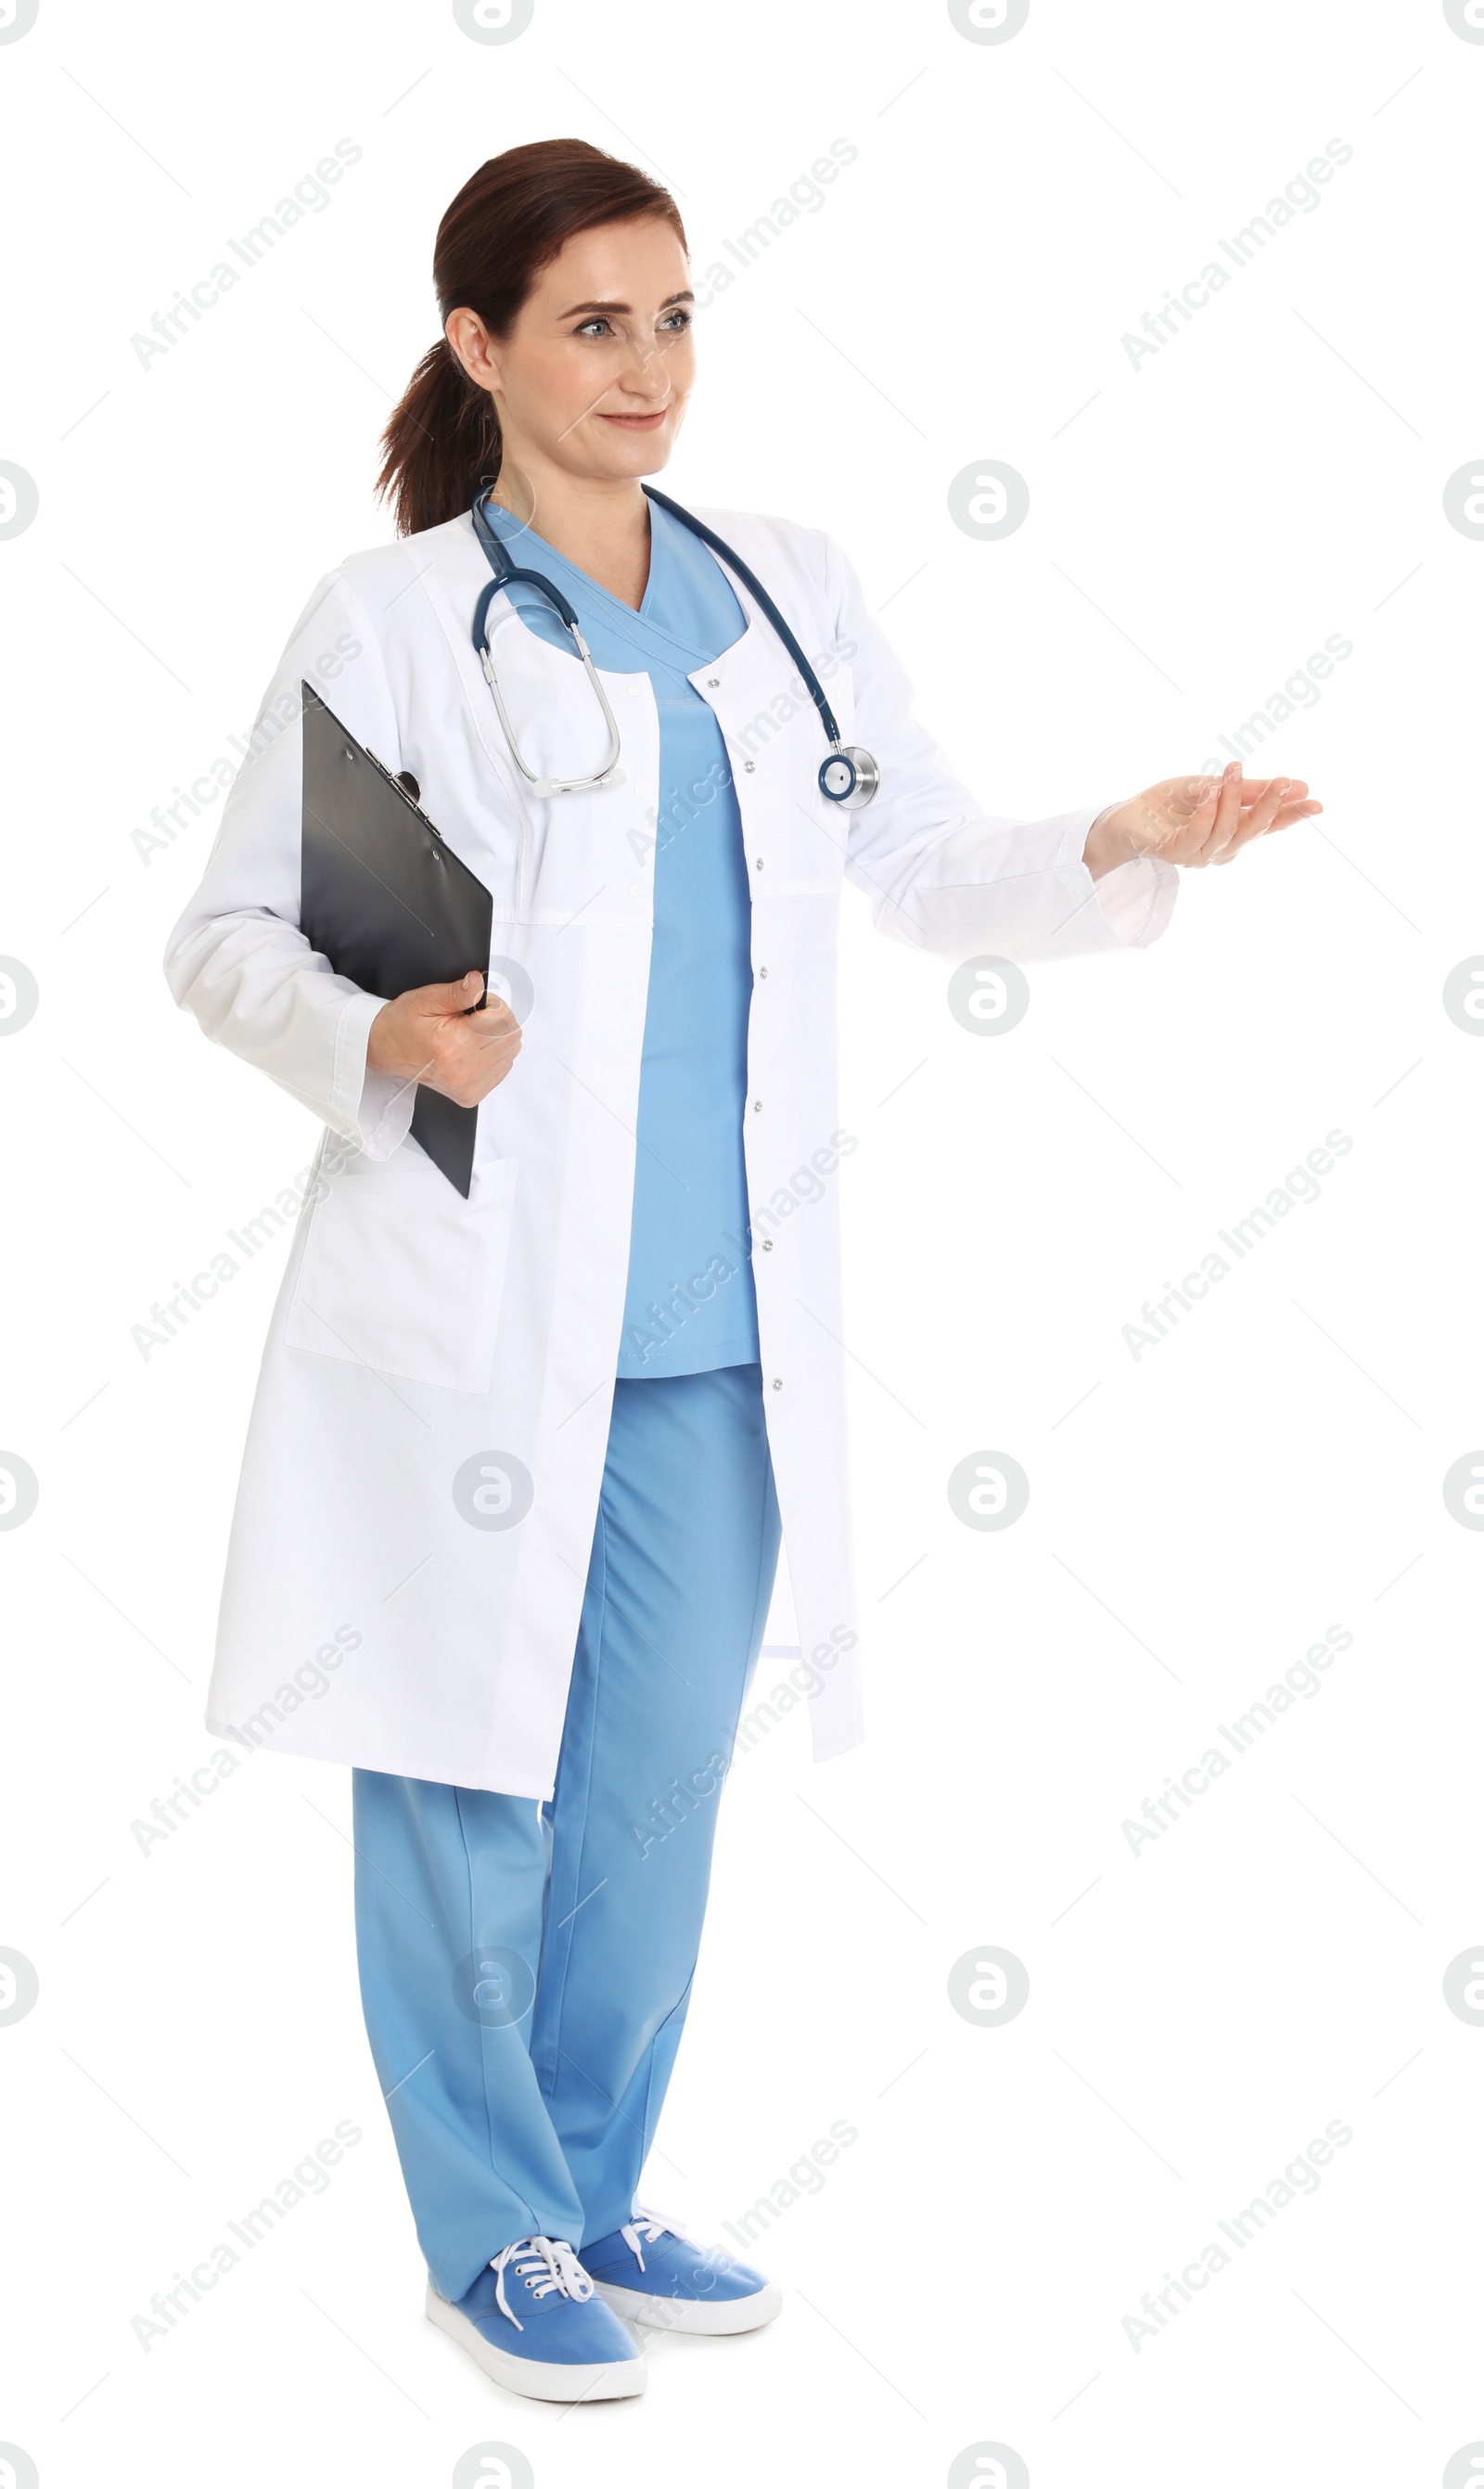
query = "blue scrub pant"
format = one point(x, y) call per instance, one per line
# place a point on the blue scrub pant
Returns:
point(526, 1967)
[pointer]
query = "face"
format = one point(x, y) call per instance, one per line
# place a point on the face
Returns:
point(597, 370)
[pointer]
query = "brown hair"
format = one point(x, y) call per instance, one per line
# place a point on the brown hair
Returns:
point(506, 224)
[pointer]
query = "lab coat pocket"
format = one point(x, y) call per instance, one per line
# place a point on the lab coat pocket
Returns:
point(401, 1273)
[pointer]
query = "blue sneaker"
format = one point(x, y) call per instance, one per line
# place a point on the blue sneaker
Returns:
point(651, 2274)
point(563, 2345)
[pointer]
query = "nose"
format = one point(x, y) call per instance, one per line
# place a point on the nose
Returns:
point(648, 374)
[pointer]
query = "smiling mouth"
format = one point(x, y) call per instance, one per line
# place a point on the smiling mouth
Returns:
point(638, 422)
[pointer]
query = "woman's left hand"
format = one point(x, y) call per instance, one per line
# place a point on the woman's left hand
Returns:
point(1196, 820)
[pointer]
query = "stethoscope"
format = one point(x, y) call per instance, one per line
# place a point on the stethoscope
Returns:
point(849, 776)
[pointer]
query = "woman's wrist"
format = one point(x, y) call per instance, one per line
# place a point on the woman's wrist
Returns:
point(1106, 845)
point(385, 1050)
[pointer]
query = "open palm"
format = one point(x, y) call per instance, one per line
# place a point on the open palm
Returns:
point(1205, 820)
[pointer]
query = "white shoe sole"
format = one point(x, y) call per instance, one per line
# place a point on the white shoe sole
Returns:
point(543, 2380)
point(693, 2315)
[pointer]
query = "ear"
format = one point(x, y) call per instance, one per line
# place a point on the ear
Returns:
point(472, 346)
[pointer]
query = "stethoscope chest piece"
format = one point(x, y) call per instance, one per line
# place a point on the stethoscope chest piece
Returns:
point(850, 777)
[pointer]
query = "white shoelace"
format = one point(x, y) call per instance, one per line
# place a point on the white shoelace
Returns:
point(651, 2226)
point(544, 2265)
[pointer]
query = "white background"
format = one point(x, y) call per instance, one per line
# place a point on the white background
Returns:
point(1199, 1515)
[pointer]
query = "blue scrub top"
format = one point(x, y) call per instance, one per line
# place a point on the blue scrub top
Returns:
point(690, 1305)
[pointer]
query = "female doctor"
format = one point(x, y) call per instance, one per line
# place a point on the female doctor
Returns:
point(518, 1462)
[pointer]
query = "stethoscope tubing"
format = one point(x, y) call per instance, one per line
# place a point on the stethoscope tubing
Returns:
point(751, 581)
point(861, 768)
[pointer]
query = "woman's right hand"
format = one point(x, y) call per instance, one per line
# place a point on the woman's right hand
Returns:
point(433, 1034)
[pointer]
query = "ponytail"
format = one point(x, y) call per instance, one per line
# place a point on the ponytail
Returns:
point(442, 443)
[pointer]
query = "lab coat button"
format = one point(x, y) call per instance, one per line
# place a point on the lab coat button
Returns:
point(778, 1383)
point(749, 765)
point(767, 1243)
point(713, 682)
point(757, 862)
point(757, 1106)
point(635, 888)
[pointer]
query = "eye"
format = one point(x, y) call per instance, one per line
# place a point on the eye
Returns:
point(592, 328)
point(680, 320)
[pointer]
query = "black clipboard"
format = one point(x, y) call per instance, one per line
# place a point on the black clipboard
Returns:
point(387, 902)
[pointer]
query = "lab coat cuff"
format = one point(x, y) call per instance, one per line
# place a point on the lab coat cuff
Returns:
point(375, 1106)
point(1138, 899)
point(1129, 907)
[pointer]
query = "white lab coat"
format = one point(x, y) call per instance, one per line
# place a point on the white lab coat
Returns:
point(365, 1618)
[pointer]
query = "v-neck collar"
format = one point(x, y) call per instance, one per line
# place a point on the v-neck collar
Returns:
point(635, 623)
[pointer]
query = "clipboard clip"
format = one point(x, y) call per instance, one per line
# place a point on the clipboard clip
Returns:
point(406, 787)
